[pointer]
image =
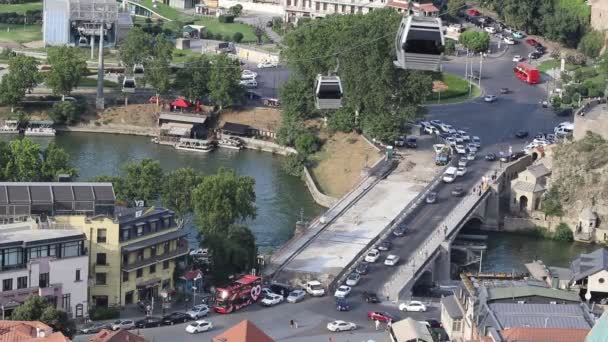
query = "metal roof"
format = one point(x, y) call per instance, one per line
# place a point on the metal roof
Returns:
point(410, 330)
point(183, 117)
point(498, 293)
point(94, 11)
point(588, 264)
point(570, 316)
point(155, 240)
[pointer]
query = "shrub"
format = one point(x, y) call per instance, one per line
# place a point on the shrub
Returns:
point(563, 233)
point(307, 143)
point(293, 164)
point(591, 44)
point(226, 19)
point(100, 313)
point(565, 76)
point(227, 38)
point(551, 204)
point(556, 102)
point(236, 10)
point(206, 34)
point(341, 120)
point(218, 36)
point(237, 37)
point(450, 46)
point(64, 112)
point(566, 99)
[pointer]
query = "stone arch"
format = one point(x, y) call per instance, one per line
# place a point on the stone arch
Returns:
point(523, 203)
point(423, 284)
point(473, 223)
point(534, 156)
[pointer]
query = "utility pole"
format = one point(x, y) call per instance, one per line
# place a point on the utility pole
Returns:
point(100, 102)
point(480, 260)
point(92, 47)
point(480, 67)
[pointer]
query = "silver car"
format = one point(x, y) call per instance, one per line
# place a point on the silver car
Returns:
point(296, 296)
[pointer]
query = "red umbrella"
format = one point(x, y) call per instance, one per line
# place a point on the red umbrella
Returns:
point(198, 106)
point(181, 103)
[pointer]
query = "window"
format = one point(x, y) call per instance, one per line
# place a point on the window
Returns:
point(152, 251)
point(39, 252)
point(288, 2)
point(126, 234)
point(22, 282)
point(79, 310)
point(153, 226)
point(125, 276)
point(71, 249)
point(78, 275)
point(457, 325)
point(100, 278)
point(152, 269)
point(166, 264)
point(129, 297)
point(101, 258)
point(166, 247)
point(7, 284)
point(140, 231)
point(601, 280)
point(65, 303)
point(166, 283)
point(139, 273)
point(325, 6)
point(101, 235)
point(125, 259)
point(317, 6)
point(13, 257)
point(140, 255)
point(43, 280)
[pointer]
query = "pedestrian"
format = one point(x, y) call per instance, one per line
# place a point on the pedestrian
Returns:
point(377, 324)
point(291, 323)
point(479, 192)
point(295, 324)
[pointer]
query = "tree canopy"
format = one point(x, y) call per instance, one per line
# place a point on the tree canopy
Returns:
point(67, 67)
point(193, 81)
point(135, 48)
point(23, 160)
point(177, 188)
point(142, 180)
point(224, 87)
point(22, 76)
point(592, 43)
point(476, 41)
point(36, 308)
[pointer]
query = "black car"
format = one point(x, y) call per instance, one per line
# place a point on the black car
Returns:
point(535, 55)
point(362, 268)
point(149, 322)
point(490, 157)
point(175, 317)
point(521, 134)
point(411, 143)
point(458, 191)
point(342, 304)
point(400, 231)
point(433, 323)
point(517, 155)
point(280, 289)
point(384, 246)
point(370, 297)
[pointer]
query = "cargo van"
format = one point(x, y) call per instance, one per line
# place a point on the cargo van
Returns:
point(449, 175)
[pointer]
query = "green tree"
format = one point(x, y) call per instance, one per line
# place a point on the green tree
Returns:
point(193, 81)
point(297, 99)
point(551, 203)
point(591, 44)
point(36, 308)
point(232, 252)
point(67, 68)
point(563, 233)
point(65, 112)
point(222, 200)
point(258, 32)
point(22, 76)
point(237, 37)
point(24, 164)
point(307, 143)
point(135, 48)
point(291, 127)
point(236, 10)
point(341, 120)
point(455, 6)
point(475, 41)
point(176, 191)
point(142, 180)
point(5, 157)
point(55, 162)
point(224, 79)
point(293, 164)
point(158, 75)
point(450, 47)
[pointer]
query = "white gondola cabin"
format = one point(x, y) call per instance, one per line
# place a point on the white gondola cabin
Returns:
point(328, 92)
point(419, 43)
point(138, 69)
point(128, 85)
point(82, 40)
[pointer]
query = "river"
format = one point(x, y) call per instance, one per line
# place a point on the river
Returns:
point(280, 198)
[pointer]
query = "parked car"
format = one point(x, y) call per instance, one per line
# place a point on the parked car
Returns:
point(199, 327)
point(459, 139)
point(248, 75)
point(94, 328)
point(490, 29)
point(460, 149)
point(362, 267)
point(458, 191)
point(531, 42)
point(400, 231)
point(296, 296)
point(471, 156)
point(372, 255)
point(509, 40)
point(473, 12)
point(280, 289)
point(353, 279)
point(266, 291)
point(198, 311)
point(436, 123)
point(518, 35)
point(342, 304)
point(414, 305)
point(431, 197)
point(432, 323)
point(370, 297)
point(472, 147)
point(123, 324)
point(175, 317)
point(463, 161)
point(381, 316)
point(517, 58)
point(391, 260)
point(342, 291)
point(148, 322)
point(508, 30)
point(504, 91)
point(490, 157)
point(477, 141)
point(461, 171)
point(465, 136)
point(384, 246)
point(337, 326)
point(535, 55)
point(272, 300)
point(490, 98)
point(249, 83)
point(315, 288)
point(451, 141)
point(521, 134)
point(268, 64)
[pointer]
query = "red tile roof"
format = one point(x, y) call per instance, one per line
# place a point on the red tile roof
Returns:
point(194, 274)
point(245, 331)
point(25, 331)
point(428, 8)
point(544, 335)
point(397, 4)
point(116, 336)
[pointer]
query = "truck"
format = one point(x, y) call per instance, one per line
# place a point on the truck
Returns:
point(442, 154)
point(225, 48)
point(314, 288)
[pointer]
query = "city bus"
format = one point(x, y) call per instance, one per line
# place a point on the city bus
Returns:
point(240, 293)
point(527, 73)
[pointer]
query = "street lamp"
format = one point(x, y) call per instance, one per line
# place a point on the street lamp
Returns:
point(194, 288)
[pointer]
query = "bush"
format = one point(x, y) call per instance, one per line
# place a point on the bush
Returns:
point(556, 102)
point(591, 44)
point(206, 34)
point(342, 120)
point(565, 76)
point(226, 18)
point(450, 47)
point(218, 36)
point(237, 37)
point(100, 313)
point(307, 143)
point(563, 233)
point(551, 203)
point(236, 10)
point(227, 38)
point(64, 112)
point(566, 99)
point(293, 164)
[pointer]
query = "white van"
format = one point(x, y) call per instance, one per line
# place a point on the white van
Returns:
point(450, 174)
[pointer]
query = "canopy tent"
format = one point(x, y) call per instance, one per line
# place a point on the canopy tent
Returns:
point(181, 103)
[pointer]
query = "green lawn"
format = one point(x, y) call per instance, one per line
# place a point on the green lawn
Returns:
point(458, 91)
point(552, 64)
point(21, 8)
point(91, 82)
point(180, 56)
point(10, 33)
point(162, 9)
point(214, 26)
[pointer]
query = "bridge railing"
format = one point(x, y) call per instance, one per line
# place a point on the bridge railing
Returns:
point(407, 270)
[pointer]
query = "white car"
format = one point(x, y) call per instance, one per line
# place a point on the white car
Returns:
point(248, 75)
point(431, 130)
point(249, 83)
point(343, 291)
point(509, 41)
point(471, 156)
point(472, 147)
point(353, 279)
point(268, 64)
point(414, 305)
point(198, 311)
point(337, 326)
point(296, 296)
point(476, 141)
point(272, 299)
point(199, 253)
point(123, 324)
point(507, 30)
point(199, 326)
point(372, 255)
point(465, 136)
point(451, 141)
point(266, 291)
point(461, 171)
point(459, 139)
point(490, 29)
point(391, 260)
point(517, 58)
point(463, 162)
point(450, 129)
point(461, 149)
point(490, 98)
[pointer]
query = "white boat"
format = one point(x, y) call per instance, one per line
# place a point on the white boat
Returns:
point(196, 145)
point(10, 127)
point(231, 142)
point(43, 128)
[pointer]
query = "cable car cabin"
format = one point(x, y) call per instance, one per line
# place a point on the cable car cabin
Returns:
point(328, 92)
point(419, 43)
point(138, 69)
point(128, 85)
point(82, 40)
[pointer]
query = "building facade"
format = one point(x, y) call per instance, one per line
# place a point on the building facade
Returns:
point(420, 8)
point(296, 9)
point(599, 14)
point(50, 263)
point(132, 255)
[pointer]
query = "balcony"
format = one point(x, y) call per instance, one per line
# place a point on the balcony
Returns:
point(182, 249)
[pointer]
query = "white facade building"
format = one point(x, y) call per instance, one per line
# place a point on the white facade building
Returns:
point(295, 9)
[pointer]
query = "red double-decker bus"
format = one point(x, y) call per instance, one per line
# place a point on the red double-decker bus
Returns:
point(527, 73)
point(242, 292)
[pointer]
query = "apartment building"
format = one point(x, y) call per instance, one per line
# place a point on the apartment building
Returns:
point(50, 263)
point(296, 9)
point(420, 8)
point(133, 253)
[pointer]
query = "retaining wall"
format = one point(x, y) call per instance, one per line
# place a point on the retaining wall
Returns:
point(109, 129)
point(254, 55)
point(266, 146)
point(320, 198)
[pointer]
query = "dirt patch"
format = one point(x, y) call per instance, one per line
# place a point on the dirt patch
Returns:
point(337, 167)
point(258, 117)
point(135, 115)
point(417, 165)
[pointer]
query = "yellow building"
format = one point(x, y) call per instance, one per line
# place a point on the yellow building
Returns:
point(133, 253)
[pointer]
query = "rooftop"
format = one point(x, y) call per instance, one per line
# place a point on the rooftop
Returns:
point(126, 215)
point(27, 234)
point(568, 316)
point(116, 336)
point(245, 331)
point(538, 170)
point(184, 117)
point(544, 335)
point(498, 293)
point(600, 330)
point(528, 187)
point(410, 330)
point(26, 331)
point(588, 264)
point(451, 306)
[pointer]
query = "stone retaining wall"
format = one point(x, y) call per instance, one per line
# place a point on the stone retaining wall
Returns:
point(122, 129)
point(319, 197)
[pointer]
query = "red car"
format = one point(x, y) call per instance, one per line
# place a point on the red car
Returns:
point(381, 316)
point(531, 42)
point(473, 12)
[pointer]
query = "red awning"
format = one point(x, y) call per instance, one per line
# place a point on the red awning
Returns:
point(181, 103)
